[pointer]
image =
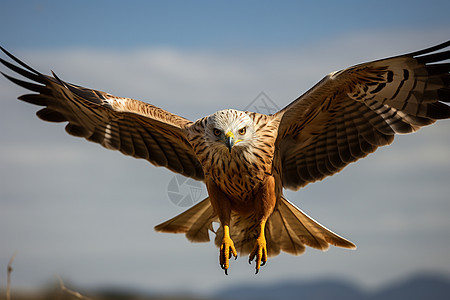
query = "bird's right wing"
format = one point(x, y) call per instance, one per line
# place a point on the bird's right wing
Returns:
point(351, 113)
point(133, 127)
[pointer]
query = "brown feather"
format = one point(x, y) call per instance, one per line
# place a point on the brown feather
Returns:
point(350, 113)
point(133, 127)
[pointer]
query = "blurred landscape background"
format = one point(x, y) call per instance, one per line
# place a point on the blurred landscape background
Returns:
point(74, 209)
point(416, 287)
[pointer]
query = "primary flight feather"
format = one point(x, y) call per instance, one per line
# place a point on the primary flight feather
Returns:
point(246, 158)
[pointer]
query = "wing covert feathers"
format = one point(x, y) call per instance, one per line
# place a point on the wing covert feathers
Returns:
point(350, 113)
point(130, 126)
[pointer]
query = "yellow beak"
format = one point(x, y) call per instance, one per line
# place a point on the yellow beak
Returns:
point(229, 141)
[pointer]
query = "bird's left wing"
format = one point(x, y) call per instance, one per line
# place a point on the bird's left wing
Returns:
point(133, 127)
point(350, 113)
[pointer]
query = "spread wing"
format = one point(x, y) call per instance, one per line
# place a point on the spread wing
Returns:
point(133, 127)
point(350, 113)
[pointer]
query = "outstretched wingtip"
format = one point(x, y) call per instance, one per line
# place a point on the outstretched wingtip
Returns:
point(19, 61)
point(5, 51)
point(3, 74)
point(59, 80)
point(431, 49)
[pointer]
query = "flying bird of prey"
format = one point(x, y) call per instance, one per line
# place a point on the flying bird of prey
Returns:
point(245, 158)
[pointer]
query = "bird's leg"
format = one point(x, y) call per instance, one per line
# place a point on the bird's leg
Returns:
point(227, 249)
point(265, 201)
point(222, 207)
point(259, 252)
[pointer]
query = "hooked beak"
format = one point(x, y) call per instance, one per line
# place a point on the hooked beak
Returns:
point(229, 142)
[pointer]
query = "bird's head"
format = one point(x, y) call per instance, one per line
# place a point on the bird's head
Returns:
point(230, 129)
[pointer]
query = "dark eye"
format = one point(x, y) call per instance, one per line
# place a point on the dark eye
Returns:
point(242, 131)
point(217, 132)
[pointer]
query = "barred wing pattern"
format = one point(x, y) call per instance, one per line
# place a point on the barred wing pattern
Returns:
point(133, 127)
point(350, 113)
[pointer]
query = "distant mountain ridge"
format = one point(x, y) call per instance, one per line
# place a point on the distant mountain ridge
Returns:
point(418, 287)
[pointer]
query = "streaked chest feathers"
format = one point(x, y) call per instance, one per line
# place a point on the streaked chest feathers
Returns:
point(236, 150)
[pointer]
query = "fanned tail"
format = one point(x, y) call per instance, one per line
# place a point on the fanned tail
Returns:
point(194, 222)
point(288, 229)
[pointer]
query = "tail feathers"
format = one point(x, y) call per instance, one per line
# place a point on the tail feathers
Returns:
point(194, 222)
point(291, 229)
point(287, 229)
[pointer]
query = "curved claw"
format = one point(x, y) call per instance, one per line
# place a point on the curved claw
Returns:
point(227, 250)
point(259, 253)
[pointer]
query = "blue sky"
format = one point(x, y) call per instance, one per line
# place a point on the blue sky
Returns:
point(72, 208)
point(206, 24)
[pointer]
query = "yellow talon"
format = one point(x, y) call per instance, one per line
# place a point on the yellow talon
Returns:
point(227, 250)
point(259, 250)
